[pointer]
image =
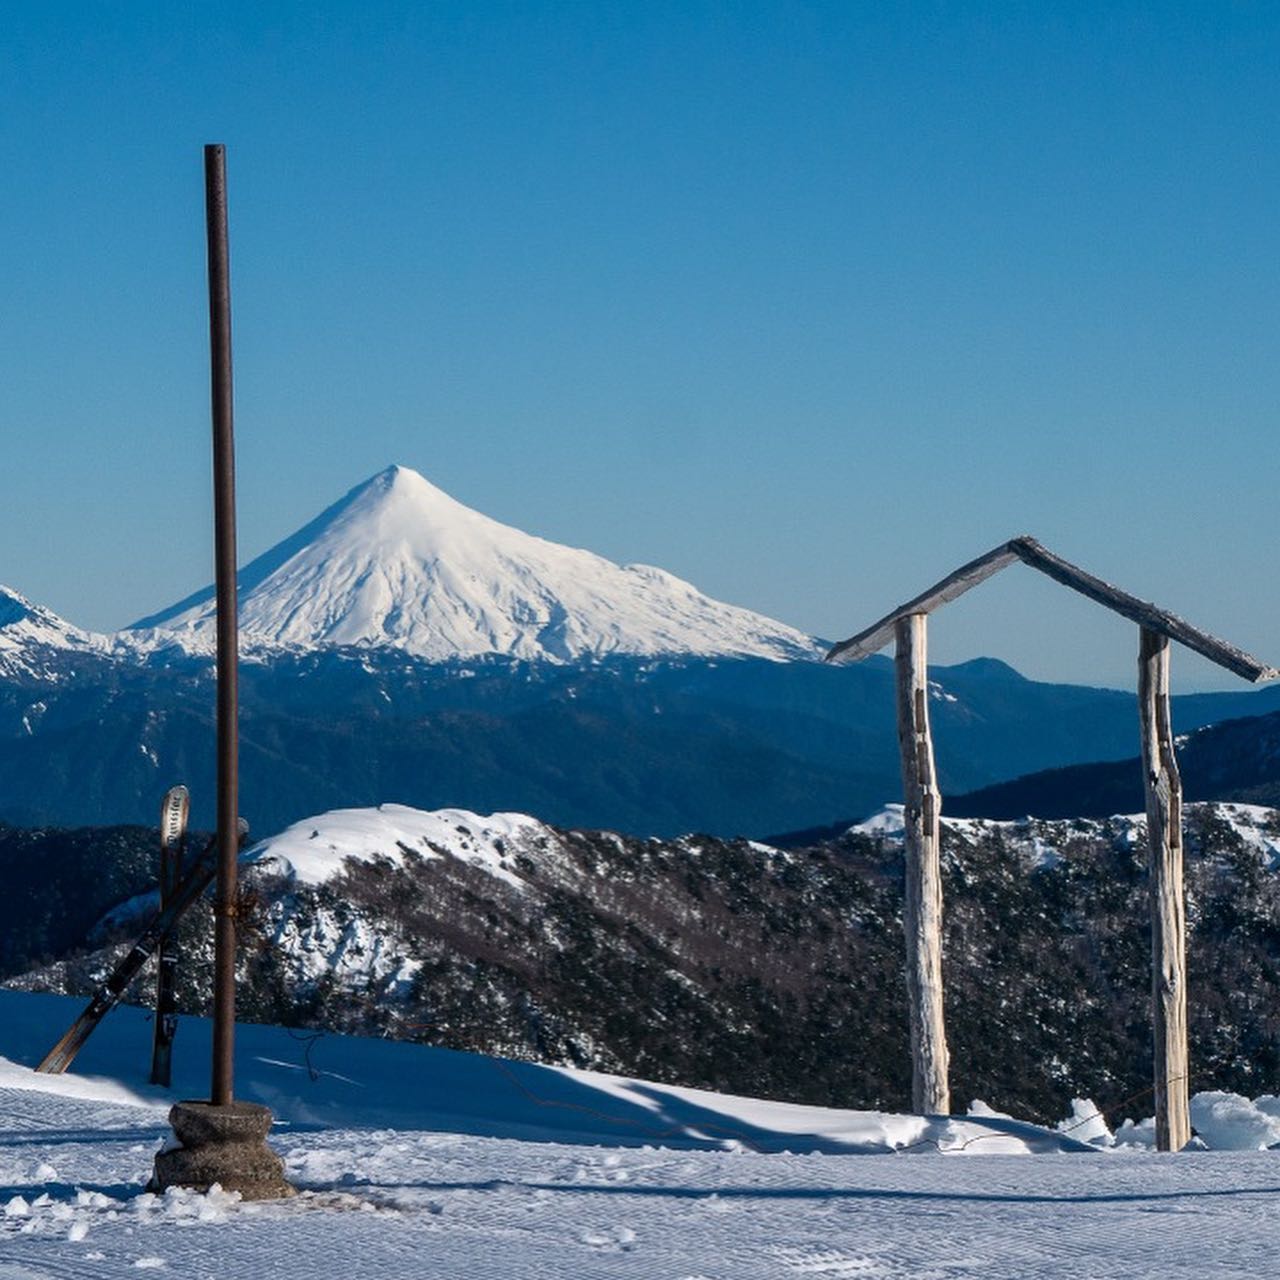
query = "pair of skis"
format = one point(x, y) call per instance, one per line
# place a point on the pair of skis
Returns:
point(174, 811)
point(185, 888)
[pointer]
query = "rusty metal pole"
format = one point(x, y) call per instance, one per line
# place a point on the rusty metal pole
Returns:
point(222, 1141)
point(222, 1089)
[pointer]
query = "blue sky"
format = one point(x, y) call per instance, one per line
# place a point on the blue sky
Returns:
point(806, 303)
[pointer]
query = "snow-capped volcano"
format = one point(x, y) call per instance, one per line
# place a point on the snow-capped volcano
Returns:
point(399, 563)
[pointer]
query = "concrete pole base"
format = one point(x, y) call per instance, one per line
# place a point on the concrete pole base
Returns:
point(226, 1145)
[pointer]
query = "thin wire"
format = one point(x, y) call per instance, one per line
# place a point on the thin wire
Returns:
point(308, 1041)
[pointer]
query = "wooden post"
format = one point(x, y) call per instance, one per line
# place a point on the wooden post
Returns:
point(1168, 913)
point(922, 916)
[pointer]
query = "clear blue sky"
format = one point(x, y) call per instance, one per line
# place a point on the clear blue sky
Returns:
point(803, 302)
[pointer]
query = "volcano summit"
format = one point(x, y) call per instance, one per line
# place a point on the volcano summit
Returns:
point(397, 563)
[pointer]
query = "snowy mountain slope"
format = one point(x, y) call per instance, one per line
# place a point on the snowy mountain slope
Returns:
point(398, 563)
point(35, 642)
point(734, 966)
point(1256, 828)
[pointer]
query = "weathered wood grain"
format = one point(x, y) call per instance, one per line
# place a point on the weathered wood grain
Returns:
point(1168, 911)
point(1147, 615)
point(922, 915)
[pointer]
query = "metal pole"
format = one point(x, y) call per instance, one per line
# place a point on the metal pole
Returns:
point(224, 518)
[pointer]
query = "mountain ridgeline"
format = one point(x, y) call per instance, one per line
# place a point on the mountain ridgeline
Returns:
point(729, 746)
point(401, 647)
point(1231, 760)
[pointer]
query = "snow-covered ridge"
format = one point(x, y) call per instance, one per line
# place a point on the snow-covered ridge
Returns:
point(1256, 825)
point(398, 563)
point(315, 850)
point(345, 946)
point(30, 634)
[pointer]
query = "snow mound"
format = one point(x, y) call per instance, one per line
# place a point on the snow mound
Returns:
point(888, 822)
point(397, 563)
point(1229, 1122)
point(1256, 826)
point(314, 850)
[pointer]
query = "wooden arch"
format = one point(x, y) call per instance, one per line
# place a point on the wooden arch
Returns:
point(922, 917)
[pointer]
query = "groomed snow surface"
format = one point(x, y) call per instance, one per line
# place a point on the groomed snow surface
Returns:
point(414, 1161)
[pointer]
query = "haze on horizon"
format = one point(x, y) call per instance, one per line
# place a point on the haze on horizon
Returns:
point(804, 303)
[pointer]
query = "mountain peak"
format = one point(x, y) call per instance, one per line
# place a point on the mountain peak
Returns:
point(986, 669)
point(17, 613)
point(398, 563)
point(401, 482)
point(14, 607)
point(28, 631)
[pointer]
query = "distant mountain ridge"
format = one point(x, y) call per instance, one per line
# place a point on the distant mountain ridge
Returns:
point(401, 647)
point(397, 563)
point(650, 746)
point(1236, 760)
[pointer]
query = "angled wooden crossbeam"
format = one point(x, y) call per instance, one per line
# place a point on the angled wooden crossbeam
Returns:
point(1031, 552)
point(1148, 616)
point(954, 585)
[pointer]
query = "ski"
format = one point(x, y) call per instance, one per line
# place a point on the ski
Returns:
point(107, 996)
point(175, 808)
point(174, 811)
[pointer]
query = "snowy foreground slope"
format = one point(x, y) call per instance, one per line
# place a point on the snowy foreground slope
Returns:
point(397, 563)
point(410, 1163)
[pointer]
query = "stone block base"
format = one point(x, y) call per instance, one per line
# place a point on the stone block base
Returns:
point(226, 1145)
